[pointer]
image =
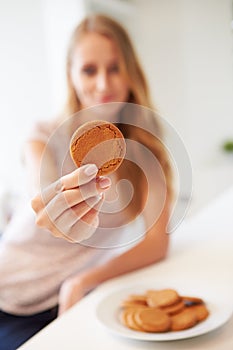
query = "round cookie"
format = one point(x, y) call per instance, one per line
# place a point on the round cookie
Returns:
point(201, 311)
point(152, 320)
point(184, 320)
point(128, 319)
point(174, 308)
point(134, 300)
point(98, 142)
point(133, 303)
point(137, 297)
point(162, 298)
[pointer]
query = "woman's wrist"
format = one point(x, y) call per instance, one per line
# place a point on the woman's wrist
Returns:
point(90, 279)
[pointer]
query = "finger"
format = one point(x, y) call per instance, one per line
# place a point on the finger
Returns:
point(70, 216)
point(82, 231)
point(64, 228)
point(75, 179)
point(80, 176)
point(95, 210)
point(50, 226)
point(42, 198)
point(87, 225)
point(70, 198)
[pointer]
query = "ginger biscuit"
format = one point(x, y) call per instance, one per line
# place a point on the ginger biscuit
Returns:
point(162, 311)
point(135, 300)
point(138, 297)
point(201, 311)
point(152, 320)
point(133, 303)
point(128, 319)
point(161, 298)
point(184, 320)
point(174, 308)
point(98, 142)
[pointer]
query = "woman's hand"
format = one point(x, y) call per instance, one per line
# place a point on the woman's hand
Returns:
point(72, 290)
point(69, 207)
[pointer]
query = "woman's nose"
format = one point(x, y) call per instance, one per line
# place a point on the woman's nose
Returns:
point(102, 81)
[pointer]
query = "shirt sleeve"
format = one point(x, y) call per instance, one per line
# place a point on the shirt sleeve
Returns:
point(40, 131)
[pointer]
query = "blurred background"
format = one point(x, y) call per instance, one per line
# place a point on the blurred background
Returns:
point(186, 49)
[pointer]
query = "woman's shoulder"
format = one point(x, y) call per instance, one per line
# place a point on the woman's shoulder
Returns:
point(41, 130)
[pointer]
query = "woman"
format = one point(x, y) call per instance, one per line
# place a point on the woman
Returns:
point(42, 270)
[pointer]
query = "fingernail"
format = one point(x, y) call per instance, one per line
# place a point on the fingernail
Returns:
point(91, 169)
point(104, 182)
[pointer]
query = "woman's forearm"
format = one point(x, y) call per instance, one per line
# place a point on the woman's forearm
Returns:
point(149, 251)
point(152, 249)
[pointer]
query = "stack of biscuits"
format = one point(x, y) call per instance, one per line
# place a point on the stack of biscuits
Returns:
point(162, 311)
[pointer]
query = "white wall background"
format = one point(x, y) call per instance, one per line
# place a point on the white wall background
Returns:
point(185, 47)
point(187, 50)
point(33, 37)
point(24, 83)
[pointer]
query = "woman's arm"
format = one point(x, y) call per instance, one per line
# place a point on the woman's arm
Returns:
point(152, 249)
point(34, 152)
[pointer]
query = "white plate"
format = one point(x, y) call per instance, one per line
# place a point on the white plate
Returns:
point(108, 313)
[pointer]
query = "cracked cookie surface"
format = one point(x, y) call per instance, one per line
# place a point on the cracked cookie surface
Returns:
point(98, 142)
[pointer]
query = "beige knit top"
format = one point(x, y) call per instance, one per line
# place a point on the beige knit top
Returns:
point(33, 263)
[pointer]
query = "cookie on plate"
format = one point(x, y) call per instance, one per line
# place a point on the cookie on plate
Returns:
point(174, 308)
point(152, 320)
point(134, 300)
point(162, 298)
point(128, 319)
point(184, 320)
point(201, 311)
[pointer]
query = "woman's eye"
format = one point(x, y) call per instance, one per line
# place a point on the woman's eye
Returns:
point(89, 70)
point(114, 68)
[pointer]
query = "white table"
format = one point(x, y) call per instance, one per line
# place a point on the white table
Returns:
point(201, 256)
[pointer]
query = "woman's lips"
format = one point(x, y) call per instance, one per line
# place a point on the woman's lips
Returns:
point(105, 99)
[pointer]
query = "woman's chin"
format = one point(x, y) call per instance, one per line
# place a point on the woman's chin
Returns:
point(107, 111)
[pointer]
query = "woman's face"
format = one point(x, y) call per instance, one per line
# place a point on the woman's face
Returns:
point(96, 73)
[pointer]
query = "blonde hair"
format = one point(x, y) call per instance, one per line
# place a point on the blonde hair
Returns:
point(106, 26)
point(138, 94)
